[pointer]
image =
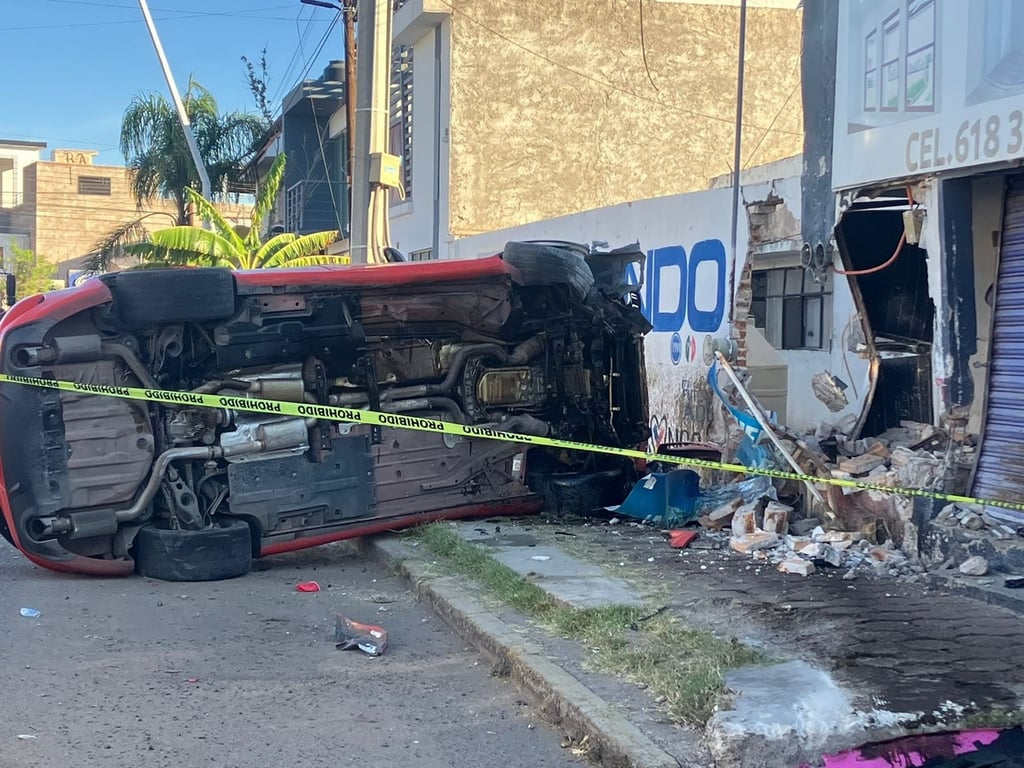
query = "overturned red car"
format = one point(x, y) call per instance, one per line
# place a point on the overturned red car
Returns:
point(544, 339)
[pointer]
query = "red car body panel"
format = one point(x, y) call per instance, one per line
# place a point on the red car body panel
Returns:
point(494, 281)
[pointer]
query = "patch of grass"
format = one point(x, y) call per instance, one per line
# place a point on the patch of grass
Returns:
point(681, 664)
point(996, 717)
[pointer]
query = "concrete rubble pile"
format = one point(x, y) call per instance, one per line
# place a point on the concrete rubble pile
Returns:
point(973, 517)
point(913, 455)
point(764, 530)
point(855, 529)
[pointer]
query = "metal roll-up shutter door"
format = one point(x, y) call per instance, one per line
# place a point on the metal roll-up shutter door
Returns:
point(1000, 471)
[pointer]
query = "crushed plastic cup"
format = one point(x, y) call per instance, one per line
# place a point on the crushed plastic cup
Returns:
point(308, 586)
point(30, 613)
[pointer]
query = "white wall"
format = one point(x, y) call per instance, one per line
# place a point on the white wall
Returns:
point(423, 218)
point(689, 225)
point(13, 160)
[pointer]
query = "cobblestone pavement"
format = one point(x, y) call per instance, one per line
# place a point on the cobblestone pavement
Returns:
point(900, 645)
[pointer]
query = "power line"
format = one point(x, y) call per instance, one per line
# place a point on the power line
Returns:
point(604, 83)
point(771, 125)
point(302, 35)
point(309, 64)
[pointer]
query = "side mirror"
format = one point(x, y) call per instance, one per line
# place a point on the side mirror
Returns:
point(12, 289)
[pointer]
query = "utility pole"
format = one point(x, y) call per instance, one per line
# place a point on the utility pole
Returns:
point(370, 226)
point(186, 125)
point(348, 13)
point(350, 91)
point(738, 144)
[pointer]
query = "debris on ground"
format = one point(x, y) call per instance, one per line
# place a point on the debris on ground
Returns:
point(796, 565)
point(307, 586)
point(973, 517)
point(30, 613)
point(802, 527)
point(680, 539)
point(974, 566)
point(368, 638)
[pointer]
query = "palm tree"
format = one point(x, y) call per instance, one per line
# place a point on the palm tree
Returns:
point(156, 151)
point(154, 146)
point(225, 247)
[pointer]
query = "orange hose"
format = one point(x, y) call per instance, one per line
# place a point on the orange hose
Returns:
point(895, 253)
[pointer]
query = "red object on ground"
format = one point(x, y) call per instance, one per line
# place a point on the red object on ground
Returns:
point(308, 586)
point(680, 539)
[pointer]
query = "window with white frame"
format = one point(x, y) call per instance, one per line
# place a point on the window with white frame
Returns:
point(920, 64)
point(791, 308)
point(871, 71)
point(891, 48)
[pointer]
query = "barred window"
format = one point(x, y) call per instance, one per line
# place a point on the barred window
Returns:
point(94, 185)
point(401, 115)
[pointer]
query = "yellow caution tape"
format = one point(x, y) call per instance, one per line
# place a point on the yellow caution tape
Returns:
point(375, 418)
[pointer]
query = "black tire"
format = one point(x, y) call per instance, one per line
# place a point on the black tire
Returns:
point(151, 296)
point(550, 264)
point(221, 552)
point(578, 495)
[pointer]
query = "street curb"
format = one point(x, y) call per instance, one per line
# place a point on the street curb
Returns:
point(564, 700)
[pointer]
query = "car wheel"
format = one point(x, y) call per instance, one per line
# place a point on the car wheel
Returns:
point(577, 495)
point(223, 551)
point(151, 296)
point(546, 264)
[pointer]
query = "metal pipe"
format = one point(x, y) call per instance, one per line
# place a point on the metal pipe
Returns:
point(350, 93)
point(737, 147)
point(425, 404)
point(767, 427)
point(186, 126)
point(179, 454)
point(359, 224)
point(132, 361)
point(216, 385)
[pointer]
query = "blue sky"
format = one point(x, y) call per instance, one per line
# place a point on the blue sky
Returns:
point(72, 66)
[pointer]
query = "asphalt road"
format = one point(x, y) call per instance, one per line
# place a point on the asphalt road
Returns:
point(134, 672)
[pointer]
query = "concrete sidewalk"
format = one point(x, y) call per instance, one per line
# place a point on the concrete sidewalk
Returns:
point(859, 661)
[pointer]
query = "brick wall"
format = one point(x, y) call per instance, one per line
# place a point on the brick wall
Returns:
point(744, 297)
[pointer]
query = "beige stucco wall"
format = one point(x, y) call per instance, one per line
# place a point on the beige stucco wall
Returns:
point(585, 128)
point(65, 225)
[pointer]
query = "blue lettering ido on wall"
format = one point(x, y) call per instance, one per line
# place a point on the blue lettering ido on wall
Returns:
point(676, 291)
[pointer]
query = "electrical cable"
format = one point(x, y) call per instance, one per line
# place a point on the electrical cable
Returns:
point(302, 35)
point(771, 125)
point(891, 260)
point(643, 46)
point(327, 170)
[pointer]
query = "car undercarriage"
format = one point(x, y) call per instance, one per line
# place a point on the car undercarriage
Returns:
point(546, 340)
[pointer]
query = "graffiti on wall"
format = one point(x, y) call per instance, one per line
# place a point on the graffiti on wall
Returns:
point(684, 298)
point(692, 421)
